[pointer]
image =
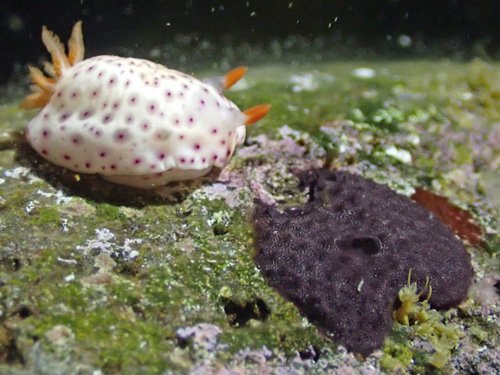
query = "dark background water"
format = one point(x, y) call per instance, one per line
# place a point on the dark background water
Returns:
point(396, 28)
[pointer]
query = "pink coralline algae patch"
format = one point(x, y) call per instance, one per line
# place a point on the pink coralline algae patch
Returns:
point(109, 105)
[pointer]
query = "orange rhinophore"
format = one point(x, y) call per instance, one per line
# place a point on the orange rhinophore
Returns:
point(234, 76)
point(254, 114)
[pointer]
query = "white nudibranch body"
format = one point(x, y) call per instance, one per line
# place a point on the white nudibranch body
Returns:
point(133, 121)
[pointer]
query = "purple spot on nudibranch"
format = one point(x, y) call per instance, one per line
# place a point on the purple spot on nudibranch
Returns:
point(228, 152)
point(64, 116)
point(137, 161)
point(202, 102)
point(121, 135)
point(99, 75)
point(46, 133)
point(182, 160)
point(77, 139)
point(152, 107)
point(74, 94)
point(145, 126)
point(192, 161)
point(191, 120)
point(223, 142)
point(214, 131)
point(66, 157)
point(197, 146)
point(46, 116)
point(161, 156)
point(133, 100)
point(111, 81)
point(102, 154)
point(90, 68)
point(95, 93)
point(127, 83)
point(85, 114)
point(44, 152)
point(215, 157)
point(107, 118)
point(130, 119)
point(204, 160)
point(181, 136)
point(112, 166)
point(88, 165)
point(116, 105)
point(59, 94)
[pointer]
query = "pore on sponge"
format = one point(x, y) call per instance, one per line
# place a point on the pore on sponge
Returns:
point(343, 257)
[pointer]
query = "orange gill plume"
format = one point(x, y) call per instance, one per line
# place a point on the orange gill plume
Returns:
point(43, 86)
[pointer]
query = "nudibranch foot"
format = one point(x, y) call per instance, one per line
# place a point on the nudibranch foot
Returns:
point(152, 181)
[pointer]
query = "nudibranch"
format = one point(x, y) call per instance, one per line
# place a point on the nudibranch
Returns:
point(132, 121)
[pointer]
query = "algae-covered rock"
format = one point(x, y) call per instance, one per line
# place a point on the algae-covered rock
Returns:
point(97, 278)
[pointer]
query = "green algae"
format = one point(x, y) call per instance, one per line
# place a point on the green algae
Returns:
point(190, 261)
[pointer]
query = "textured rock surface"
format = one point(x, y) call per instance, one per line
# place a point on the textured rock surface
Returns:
point(97, 278)
point(344, 256)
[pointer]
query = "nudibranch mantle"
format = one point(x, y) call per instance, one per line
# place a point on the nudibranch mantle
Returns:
point(133, 121)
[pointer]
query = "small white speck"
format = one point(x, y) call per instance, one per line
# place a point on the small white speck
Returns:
point(304, 82)
point(30, 206)
point(401, 155)
point(466, 96)
point(363, 73)
point(405, 41)
point(69, 278)
point(1, 181)
point(64, 225)
point(360, 285)
point(66, 261)
point(17, 172)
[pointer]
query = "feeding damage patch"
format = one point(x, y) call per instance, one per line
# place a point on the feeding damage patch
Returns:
point(343, 257)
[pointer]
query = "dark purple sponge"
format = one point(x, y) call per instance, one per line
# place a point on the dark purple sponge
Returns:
point(343, 257)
